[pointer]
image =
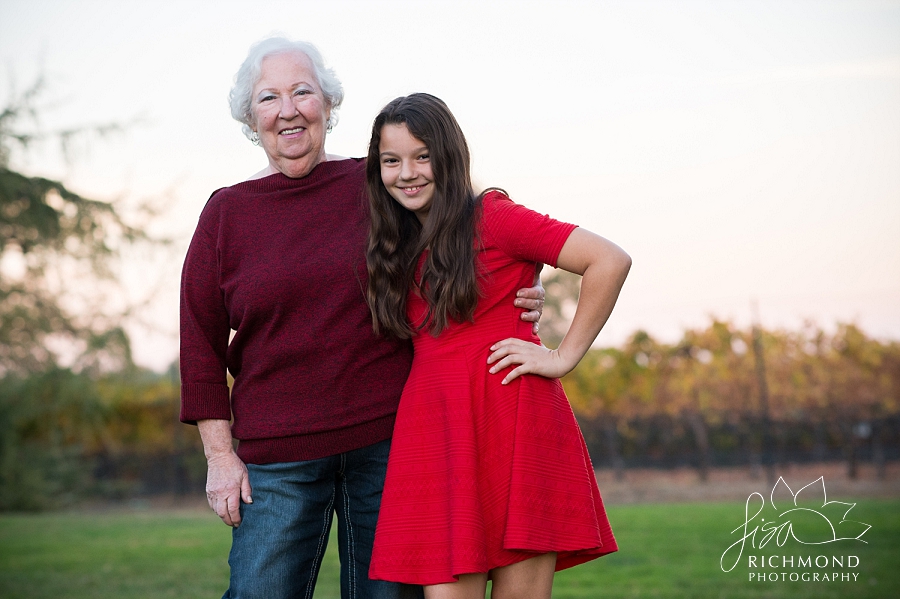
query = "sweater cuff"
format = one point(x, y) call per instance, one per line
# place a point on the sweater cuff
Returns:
point(203, 401)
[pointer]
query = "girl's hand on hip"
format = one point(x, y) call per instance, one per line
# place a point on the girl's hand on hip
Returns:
point(531, 358)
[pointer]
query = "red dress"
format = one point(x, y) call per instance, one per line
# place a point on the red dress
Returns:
point(483, 475)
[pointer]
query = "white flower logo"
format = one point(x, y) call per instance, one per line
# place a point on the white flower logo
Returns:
point(790, 517)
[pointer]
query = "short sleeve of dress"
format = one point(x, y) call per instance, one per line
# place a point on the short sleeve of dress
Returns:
point(521, 233)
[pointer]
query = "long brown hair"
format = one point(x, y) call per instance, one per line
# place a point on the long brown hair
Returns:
point(449, 282)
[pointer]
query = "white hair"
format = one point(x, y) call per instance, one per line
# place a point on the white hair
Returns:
point(241, 96)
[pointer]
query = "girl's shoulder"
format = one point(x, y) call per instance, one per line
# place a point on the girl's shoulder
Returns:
point(498, 208)
point(521, 232)
point(495, 203)
point(494, 197)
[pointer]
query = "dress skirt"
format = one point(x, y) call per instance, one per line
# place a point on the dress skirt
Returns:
point(483, 475)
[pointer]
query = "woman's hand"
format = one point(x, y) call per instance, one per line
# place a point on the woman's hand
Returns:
point(227, 479)
point(532, 359)
point(227, 483)
point(532, 300)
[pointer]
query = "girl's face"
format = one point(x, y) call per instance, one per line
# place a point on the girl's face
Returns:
point(406, 169)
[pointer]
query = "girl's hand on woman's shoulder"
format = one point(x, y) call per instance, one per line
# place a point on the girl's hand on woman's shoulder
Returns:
point(531, 359)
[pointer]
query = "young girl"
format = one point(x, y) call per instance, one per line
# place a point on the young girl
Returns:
point(489, 476)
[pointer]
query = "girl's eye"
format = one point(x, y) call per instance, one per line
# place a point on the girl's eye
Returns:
point(424, 157)
point(389, 161)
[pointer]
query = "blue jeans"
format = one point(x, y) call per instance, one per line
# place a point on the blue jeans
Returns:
point(277, 550)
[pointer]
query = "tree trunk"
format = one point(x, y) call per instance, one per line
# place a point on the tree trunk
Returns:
point(850, 452)
point(179, 470)
point(701, 437)
point(612, 448)
point(747, 427)
point(878, 448)
point(819, 440)
point(766, 420)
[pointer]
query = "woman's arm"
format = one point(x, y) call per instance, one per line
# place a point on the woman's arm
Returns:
point(532, 300)
point(603, 266)
point(205, 397)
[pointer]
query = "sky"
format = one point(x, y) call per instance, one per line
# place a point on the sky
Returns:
point(743, 153)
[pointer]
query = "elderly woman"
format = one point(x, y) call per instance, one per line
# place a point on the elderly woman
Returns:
point(280, 260)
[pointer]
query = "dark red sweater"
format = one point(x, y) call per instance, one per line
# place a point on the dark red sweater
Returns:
point(282, 262)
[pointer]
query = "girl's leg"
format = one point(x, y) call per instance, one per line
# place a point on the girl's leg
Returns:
point(469, 586)
point(531, 579)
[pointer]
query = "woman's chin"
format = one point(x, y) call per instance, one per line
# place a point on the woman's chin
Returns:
point(299, 165)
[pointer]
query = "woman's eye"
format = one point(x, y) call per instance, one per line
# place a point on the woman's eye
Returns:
point(266, 98)
point(302, 92)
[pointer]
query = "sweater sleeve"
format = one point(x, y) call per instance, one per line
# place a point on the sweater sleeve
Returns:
point(205, 332)
point(521, 233)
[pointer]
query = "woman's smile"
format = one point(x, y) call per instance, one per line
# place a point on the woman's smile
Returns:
point(295, 130)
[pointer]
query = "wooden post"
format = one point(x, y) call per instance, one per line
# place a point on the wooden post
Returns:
point(766, 421)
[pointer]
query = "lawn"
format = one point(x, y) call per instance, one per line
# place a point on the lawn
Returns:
point(669, 551)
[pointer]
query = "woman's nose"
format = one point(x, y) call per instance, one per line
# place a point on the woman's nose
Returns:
point(288, 109)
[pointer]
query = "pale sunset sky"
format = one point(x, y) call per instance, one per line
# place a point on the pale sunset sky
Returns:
point(739, 151)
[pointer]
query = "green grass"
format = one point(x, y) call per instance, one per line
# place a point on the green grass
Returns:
point(147, 555)
point(673, 551)
point(665, 551)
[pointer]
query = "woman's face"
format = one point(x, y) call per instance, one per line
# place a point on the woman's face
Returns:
point(406, 169)
point(290, 113)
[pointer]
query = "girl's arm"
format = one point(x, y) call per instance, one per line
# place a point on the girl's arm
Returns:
point(604, 266)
